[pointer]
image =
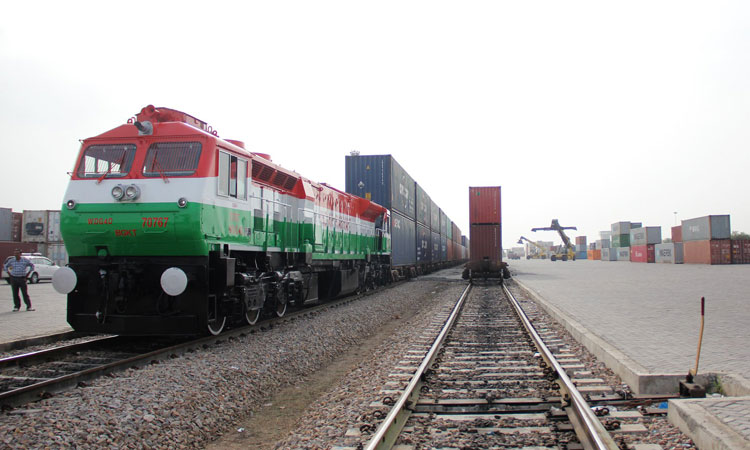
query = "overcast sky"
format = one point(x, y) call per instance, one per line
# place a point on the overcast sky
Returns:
point(588, 112)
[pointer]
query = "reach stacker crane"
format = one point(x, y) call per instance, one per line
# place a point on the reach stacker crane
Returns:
point(542, 251)
point(567, 251)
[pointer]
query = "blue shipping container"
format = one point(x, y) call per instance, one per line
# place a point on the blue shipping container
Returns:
point(436, 247)
point(424, 244)
point(403, 239)
point(582, 255)
point(381, 179)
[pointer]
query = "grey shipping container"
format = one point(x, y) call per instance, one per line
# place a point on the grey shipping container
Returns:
point(443, 223)
point(671, 253)
point(605, 234)
point(706, 228)
point(6, 224)
point(57, 253)
point(620, 228)
point(434, 217)
point(609, 254)
point(603, 243)
point(53, 226)
point(403, 238)
point(381, 179)
point(34, 225)
point(424, 244)
point(436, 247)
point(423, 206)
point(443, 248)
point(623, 253)
point(645, 236)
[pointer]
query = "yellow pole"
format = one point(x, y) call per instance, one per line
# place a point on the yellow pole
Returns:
point(700, 338)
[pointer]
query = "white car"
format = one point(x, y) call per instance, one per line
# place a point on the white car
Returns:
point(44, 268)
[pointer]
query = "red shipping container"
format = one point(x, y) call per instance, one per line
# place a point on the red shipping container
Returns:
point(486, 241)
point(677, 233)
point(484, 205)
point(741, 251)
point(580, 240)
point(717, 251)
point(643, 253)
point(16, 230)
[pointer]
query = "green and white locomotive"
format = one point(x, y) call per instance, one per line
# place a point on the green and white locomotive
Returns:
point(171, 230)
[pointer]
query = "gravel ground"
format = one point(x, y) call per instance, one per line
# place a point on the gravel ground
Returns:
point(187, 402)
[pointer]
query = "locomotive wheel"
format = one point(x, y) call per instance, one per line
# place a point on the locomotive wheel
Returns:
point(252, 316)
point(281, 303)
point(215, 319)
point(216, 325)
point(280, 309)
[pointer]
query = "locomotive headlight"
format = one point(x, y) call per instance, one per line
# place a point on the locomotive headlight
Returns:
point(173, 281)
point(132, 192)
point(71, 204)
point(182, 202)
point(118, 192)
point(64, 280)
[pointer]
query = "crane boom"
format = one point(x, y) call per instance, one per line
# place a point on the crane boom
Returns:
point(555, 226)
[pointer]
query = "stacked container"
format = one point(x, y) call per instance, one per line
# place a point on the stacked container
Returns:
point(485, 224)
point(6, 224)
point(608, 254)
point(42, 227)
point(422, 234)
point(670, 253)
point(706, 240)
point(741, 251)
point(642, 241)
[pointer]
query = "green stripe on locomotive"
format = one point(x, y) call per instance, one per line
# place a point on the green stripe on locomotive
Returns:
point(142, 229)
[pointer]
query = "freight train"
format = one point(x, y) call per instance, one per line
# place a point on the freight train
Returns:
point(171, 230)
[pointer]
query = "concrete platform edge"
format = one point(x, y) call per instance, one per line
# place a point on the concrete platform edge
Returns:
point(706, 431)
point(631, 373)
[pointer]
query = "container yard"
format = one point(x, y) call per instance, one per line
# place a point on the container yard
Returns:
point(32, 231)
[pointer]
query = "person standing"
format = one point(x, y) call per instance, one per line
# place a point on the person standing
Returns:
point(17, 272)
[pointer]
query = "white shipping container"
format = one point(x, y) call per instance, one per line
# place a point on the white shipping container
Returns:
point(53, 226)
point(623, 253)
point(57, 253)
point(671, 253)
point(605, 243)
point(605, 234)
point(645, 236)
point(609, 254)
point(34, 227)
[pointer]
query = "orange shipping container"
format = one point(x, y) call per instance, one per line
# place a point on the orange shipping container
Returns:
point(717, 251)
point(594, 254)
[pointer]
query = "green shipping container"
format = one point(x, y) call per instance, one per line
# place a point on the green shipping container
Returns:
point(621, 240)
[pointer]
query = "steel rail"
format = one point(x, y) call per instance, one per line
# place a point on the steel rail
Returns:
point(590, 431)
point(387, 433)
point(41, 389)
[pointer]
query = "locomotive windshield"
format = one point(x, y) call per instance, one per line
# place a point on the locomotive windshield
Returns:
point(172, 158)
point(112, 160)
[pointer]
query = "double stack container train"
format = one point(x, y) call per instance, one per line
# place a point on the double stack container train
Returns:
point(485, 233)
point(171, 230)
point(424, 237)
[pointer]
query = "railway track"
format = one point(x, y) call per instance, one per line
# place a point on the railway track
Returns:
point(35, 375)
point(489, 380)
